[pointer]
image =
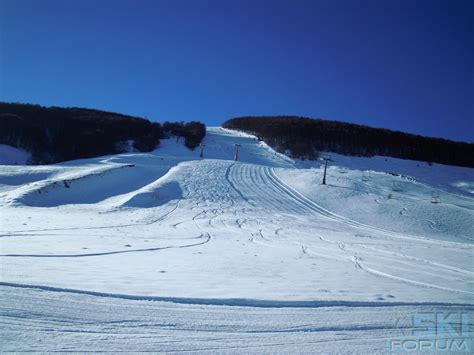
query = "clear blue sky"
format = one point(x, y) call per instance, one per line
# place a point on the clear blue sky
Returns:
point(399, 64)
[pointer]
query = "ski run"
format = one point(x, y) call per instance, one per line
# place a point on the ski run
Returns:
point(165, 251)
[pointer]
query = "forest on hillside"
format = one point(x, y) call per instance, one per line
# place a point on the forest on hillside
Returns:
point(55, 134)
point(305, 137)
point(193, 132)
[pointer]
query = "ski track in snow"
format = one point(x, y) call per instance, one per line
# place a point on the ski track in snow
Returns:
point(311, 205)
point(45, 320)
point(206, 240)
point(174, 263)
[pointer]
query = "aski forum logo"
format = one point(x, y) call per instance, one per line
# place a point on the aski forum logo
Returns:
point(434, 332)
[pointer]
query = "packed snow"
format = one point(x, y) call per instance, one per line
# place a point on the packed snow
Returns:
point(215, 254)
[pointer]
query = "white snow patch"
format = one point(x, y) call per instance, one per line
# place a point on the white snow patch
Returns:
point(13, 156)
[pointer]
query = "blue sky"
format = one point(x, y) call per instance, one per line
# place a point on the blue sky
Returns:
point(404, 65)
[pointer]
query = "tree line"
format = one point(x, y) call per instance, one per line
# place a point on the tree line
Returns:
point(193, 132)
point(305, 137)
point(55, 134)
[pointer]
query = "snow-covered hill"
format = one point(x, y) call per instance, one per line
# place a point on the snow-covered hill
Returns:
point(261, 232)
point(13, 156)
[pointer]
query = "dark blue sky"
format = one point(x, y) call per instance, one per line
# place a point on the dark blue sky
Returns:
point(405, 64)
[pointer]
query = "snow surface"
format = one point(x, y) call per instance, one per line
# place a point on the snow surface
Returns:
point(204, 253)
point(13, 156)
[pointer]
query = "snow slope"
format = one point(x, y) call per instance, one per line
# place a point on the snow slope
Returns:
point(41, 320)
point(199, 234)
point(13, 156)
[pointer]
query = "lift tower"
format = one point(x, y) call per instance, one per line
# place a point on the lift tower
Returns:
point(326, 159)
point(236, 153)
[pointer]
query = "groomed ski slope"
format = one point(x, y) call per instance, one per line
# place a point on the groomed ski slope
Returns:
point(176, 247)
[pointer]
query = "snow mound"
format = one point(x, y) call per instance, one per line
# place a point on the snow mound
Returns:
point(157, 196)
point(92, 186)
